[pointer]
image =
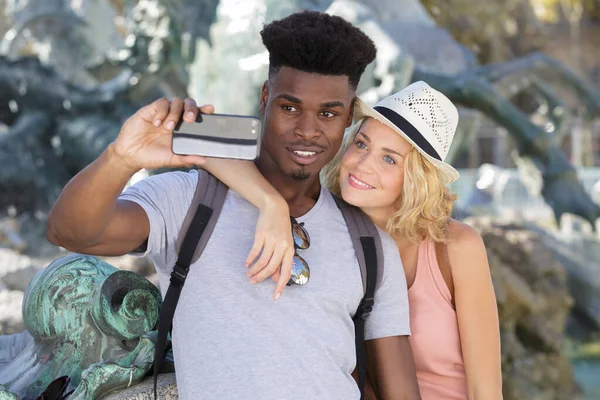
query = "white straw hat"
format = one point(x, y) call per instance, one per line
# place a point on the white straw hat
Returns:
point(423, 116)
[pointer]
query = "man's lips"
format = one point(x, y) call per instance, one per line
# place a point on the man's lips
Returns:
point(305, 155)
point(358, 184)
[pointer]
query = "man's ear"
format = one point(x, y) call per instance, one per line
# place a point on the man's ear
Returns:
point(351, 113)
point(264, 98)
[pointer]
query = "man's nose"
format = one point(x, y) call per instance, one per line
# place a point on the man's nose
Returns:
point(307, 127)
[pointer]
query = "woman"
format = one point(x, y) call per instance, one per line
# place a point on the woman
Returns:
point(391, 166)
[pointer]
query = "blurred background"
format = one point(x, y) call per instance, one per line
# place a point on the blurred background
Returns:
point(524, 73)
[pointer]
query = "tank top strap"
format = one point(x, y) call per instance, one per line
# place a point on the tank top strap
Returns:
point(434, 275)
point(421, 267)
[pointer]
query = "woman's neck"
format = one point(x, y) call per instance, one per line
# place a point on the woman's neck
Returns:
point(379, 215)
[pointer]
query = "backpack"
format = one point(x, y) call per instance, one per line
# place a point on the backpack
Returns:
point(195, 232)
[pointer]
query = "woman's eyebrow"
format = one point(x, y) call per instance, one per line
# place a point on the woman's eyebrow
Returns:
point(391, 151)
point(386, 149)
point(365, 136)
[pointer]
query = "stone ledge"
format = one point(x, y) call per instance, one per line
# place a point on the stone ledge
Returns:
point(166, 390)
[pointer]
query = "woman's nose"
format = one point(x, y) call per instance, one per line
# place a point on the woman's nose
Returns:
point(365, 164)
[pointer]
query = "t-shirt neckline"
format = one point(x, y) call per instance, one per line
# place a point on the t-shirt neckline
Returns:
point(315, 209)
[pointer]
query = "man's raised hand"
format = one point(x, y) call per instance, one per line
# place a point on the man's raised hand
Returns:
point(145, 138)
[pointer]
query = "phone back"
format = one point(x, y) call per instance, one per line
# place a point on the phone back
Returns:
point(219, 135)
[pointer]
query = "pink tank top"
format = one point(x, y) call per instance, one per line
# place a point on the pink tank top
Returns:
point(435, 340)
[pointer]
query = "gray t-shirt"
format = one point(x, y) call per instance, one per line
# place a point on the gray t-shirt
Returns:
point(231, 340)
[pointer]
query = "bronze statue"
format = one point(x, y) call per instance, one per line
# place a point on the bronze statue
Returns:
point(88, 321)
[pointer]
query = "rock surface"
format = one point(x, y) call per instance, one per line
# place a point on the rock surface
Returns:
point(166, 390)
point(580, 255)
point(533, 303)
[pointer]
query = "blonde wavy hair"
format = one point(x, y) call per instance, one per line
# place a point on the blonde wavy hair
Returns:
point(425, 203)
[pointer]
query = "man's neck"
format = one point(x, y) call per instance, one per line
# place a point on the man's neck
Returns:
point(301, 195)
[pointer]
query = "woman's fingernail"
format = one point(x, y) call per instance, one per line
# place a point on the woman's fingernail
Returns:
point(252, 281)
point(277, 296)
point(189, 114)
point(157, 123)
point(170, 125)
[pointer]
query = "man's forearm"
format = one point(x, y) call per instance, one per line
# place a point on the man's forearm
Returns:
point(392, 369)
point(87, 202)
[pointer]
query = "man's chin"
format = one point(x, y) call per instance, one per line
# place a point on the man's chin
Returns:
point(300, 174)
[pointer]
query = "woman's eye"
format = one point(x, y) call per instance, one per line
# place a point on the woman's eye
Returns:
point(361, 145)
point(389, 160)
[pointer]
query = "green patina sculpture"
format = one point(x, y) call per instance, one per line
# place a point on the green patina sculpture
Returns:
point(89, 321)
point(4, 395)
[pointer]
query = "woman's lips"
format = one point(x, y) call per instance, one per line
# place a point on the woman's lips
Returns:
point(358, 184)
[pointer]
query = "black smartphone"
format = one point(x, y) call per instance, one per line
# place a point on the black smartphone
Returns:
point(218, 135)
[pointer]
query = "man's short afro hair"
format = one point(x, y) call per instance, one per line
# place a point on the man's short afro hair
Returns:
point(319, 43)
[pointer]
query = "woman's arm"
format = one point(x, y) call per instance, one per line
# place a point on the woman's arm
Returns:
point(273, 234)
point(477, 312)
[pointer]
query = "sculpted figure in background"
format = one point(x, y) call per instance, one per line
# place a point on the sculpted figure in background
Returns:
point(86, 320)
point(66, 88)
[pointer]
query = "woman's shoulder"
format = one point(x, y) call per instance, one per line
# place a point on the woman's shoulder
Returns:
point(463, 236)
point(467, 255)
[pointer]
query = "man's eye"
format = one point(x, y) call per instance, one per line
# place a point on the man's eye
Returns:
point(290, 108)
point(328, 114)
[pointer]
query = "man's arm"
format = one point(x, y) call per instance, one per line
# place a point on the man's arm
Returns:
point(369, 392)
point(87, 217)
point(391, 368)
point(390, 364)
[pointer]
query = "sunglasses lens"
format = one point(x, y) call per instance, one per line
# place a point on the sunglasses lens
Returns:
point(300, 236)
point(300, 271)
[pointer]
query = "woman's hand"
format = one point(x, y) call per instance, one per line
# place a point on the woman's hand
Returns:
point(273, 250)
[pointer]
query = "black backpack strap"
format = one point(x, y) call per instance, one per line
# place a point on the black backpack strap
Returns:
point(369, 253)
point(195, 232)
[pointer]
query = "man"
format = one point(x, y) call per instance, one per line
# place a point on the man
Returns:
point(230, 339)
